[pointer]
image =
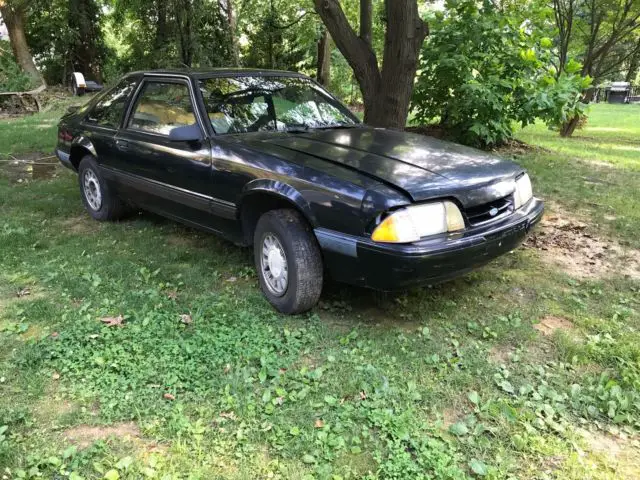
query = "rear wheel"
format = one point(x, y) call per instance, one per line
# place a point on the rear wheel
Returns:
point(288, 261)
point(97, 198)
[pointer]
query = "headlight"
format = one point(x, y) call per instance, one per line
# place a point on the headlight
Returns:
point(523, 192)
point(412, 223)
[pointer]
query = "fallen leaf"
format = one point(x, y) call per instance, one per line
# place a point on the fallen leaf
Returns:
point(227, 368)
point(319, 423)
point(186, 319)
point(232, 279)
point(168, 396)
point(54, 335)
point(279, 400)
point(363, 396)
point(93, 336)
point(229, 415)
point(172, 295)
point(23, 292)
point(55, 375)
point(113, 321)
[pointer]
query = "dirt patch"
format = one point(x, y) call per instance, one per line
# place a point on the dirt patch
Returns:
point(81, 224)
point(551, 323)
point(435, 131)
point(500, 354)
point(570, 245)
point(621, 453)
point(517, 147)
point(450, 416)
point(184, 239)
point(85, 435)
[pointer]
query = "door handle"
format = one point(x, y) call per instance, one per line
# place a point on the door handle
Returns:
point(122, 145)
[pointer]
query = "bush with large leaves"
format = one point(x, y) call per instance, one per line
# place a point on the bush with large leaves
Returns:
point(483, 71)
point(12, 78)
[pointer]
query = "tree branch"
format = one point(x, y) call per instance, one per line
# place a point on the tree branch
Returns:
point(355, 50)
point(366, 20)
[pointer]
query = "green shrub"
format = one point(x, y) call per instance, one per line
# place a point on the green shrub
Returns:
point(483, 71)
point(12, 78)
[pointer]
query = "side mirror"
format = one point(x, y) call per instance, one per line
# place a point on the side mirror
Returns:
point(187, 133)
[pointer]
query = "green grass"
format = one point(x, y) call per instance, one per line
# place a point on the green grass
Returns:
point(34, 133)
point(594, 174)
point(448, 382)
point(610, 137)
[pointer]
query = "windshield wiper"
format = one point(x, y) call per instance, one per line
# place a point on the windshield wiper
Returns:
point(303, 127)
point(298, 128)
point(338, 126)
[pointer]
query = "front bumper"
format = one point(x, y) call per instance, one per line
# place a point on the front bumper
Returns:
point(394, 266)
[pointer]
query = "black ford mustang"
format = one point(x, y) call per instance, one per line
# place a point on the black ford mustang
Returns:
point(270, 159)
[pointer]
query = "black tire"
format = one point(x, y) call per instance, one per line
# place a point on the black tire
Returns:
point(302, 258)
point(110, 206)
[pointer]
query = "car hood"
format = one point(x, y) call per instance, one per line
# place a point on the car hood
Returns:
point(422, 167)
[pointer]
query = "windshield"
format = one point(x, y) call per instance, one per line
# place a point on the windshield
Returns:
point(253, 104)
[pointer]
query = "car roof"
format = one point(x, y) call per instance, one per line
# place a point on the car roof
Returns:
point(199, 73)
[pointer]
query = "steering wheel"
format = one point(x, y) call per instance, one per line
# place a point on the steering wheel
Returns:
point(262, 121)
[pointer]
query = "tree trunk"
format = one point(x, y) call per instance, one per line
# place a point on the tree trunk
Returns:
point(14, 19)
point(324, 59)
point(231, 19)
point(634, 63)
point(86, 58)
point(567, 129)
point(184, 16)
point(387, 91)
point(161, 31)
point(366, 20)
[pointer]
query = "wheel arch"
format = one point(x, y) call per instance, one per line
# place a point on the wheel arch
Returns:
point(80, 147)
point(261, 196)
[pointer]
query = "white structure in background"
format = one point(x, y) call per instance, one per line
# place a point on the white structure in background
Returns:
point(4, 34)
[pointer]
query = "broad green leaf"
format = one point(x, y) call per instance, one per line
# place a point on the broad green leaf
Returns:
point(112, 475)
point(478, 467)
point(459, 429)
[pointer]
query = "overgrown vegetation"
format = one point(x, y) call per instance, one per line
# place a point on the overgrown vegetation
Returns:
point(483, 71)
point(143, 349)
point(12, 78)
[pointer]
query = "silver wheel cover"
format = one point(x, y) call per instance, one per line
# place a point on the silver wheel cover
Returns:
point(274, 266)
point(92, 191)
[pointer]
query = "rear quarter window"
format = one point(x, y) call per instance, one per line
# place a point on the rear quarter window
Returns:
point(108, 111)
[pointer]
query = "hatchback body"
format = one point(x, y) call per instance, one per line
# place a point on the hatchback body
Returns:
point(271, 159)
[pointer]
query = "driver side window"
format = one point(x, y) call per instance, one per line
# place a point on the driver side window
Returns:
point(161, 107)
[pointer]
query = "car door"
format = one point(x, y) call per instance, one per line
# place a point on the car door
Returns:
point(103, 119)
point(165, 175)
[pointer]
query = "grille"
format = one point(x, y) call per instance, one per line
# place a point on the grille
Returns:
point(489, 212)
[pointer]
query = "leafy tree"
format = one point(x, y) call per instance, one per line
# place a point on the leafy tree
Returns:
point(12, 77)
point(482, 71)
point(66, 36)
point(603, 34)
point(14, 13)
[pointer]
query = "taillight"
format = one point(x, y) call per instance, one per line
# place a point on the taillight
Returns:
point(64, 135)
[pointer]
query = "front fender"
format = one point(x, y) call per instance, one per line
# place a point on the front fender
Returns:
point(281, 190)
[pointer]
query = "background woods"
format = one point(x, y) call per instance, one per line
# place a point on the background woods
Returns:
point(484, 68)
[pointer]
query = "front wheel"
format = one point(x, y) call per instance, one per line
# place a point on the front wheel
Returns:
point(288, 261)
